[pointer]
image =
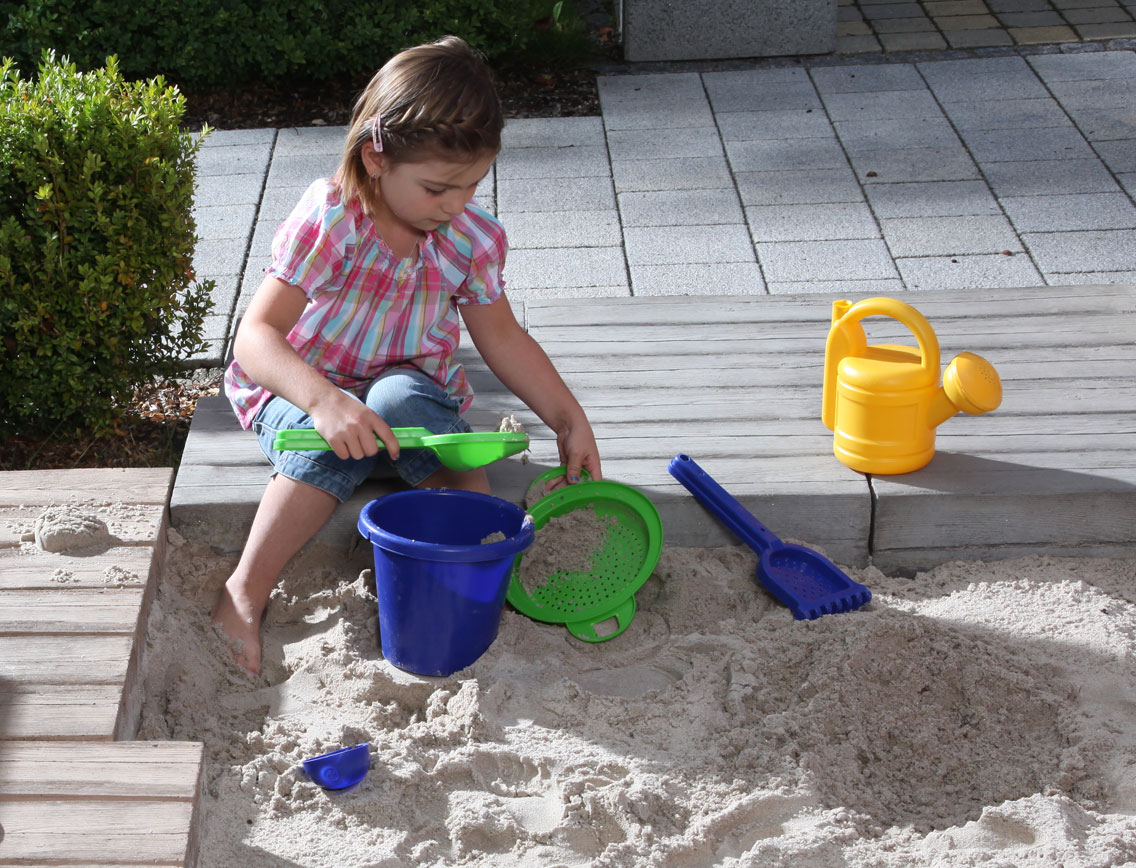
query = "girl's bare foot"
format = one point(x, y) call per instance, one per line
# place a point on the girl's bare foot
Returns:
point(239, 620)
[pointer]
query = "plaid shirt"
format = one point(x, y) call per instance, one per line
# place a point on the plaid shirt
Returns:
point(367, 311)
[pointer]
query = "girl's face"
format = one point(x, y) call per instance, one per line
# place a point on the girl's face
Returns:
point(425, 195)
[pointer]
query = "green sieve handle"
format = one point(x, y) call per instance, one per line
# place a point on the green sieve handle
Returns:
point(623, 615)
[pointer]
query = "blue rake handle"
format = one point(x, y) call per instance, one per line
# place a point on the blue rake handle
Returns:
point(723, 504)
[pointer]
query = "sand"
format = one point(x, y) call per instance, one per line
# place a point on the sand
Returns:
point(566, 543)
point(975, 715)
point(70, 528)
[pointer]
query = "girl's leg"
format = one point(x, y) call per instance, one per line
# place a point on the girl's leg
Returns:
point(297, 502)
point(289, 515)
point(291, 511)
point(408, 398)
point(467, 480)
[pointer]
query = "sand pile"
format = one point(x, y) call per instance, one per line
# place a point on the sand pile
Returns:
point(71, 529)
point(980, 714)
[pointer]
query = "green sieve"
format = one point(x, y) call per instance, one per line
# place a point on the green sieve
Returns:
point(583, 601)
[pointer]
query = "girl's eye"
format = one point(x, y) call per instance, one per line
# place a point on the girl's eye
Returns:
point(435, 192)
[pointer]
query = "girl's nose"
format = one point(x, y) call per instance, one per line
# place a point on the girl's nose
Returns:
point(455, 203)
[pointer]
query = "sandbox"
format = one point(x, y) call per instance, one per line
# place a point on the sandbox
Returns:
point(976, 714)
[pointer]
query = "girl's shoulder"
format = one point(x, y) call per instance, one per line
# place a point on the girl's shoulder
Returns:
point(474, 234)
point(322, 203)
point(321, 216)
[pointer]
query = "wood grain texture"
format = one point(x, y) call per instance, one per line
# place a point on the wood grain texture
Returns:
point(62, 831)
point(147, 770)
point(72, 625)
point(735, 382)
point(58, 711)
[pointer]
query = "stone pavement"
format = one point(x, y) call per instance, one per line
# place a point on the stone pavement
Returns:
point(879, 174)
point(911, 25)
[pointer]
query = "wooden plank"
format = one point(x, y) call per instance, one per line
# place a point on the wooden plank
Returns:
point(702, 408)
point(96, 830)
point(128, 523)
point(75, 610)
point(1023, 473)
point(817, 307)
point(71, 711)
point(1026, 432)
point(1027, 421)
point(991, 331)
point(708, 405)
point(1005, 519)
point(216, 504)
point(1025, 363)
point(565, 344)
point(46, 487)
point(113, 770)
point(990, 507)
point(225, 448)
point(117, 567)
point(32, 660)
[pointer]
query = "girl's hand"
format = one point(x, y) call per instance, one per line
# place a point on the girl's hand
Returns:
point(577, 446)
point(350, 426)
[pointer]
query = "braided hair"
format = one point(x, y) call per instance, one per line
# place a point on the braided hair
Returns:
point(435, 101)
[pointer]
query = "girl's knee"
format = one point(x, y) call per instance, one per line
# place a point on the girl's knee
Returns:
point(410, 399)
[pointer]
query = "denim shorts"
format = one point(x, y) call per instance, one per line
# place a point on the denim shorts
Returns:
point(403, 397)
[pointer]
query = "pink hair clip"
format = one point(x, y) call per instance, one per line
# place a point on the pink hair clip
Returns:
point(377, 132)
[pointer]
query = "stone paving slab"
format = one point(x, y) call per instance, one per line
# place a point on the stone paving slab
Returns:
point(908, 25)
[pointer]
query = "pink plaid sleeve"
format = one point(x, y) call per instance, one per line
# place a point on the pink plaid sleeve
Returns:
point(479, 235)
point(313, 245)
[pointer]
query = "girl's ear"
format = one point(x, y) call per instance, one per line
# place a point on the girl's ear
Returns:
point(373, 161)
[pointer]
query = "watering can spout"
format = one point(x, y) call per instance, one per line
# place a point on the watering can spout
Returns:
point(970, 385)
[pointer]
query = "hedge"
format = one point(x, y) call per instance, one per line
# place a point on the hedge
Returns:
point(97, 291)
point(206, 43)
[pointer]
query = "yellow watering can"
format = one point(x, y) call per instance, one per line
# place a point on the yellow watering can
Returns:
point(883, 402)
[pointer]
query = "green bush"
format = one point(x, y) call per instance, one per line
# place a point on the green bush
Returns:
point(97, 292)
point(204, 43)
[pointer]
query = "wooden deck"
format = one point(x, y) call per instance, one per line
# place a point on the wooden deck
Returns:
point(74, 790)
point(735, 382)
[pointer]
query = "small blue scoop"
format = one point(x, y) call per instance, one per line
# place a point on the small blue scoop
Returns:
point(341, 768)
point(804, 580)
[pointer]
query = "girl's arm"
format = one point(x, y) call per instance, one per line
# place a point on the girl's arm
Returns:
point(519, 362)
point(263, 352)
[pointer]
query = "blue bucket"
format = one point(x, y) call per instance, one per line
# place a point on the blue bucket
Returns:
point(440, 588)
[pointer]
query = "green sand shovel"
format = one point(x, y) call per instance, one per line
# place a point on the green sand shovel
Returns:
point(465, 451)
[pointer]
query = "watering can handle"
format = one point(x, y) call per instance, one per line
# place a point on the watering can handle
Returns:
point(711, 495)
point(895, 309)
point(846, 338)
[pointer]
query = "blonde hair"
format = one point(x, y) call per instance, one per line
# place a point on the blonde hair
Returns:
point(436, 101)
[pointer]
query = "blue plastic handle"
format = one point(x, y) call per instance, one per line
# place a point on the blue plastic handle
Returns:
point(720, 502)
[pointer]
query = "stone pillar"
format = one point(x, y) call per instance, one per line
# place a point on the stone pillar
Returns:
point(717, 29)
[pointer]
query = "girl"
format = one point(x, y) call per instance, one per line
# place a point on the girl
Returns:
point(354, 329)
